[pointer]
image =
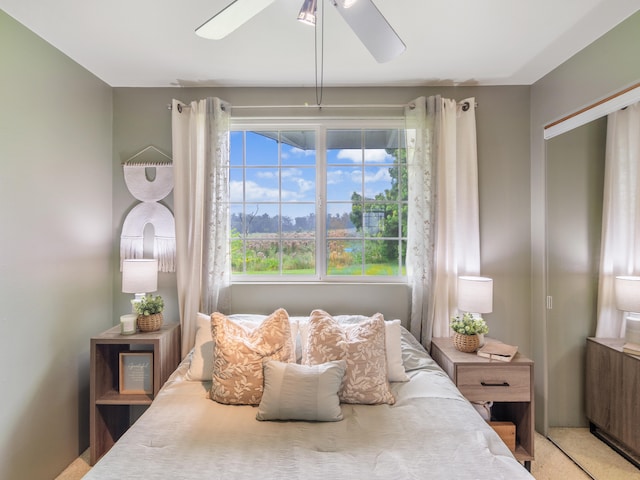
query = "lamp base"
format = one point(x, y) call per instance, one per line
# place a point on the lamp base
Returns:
point(136, 299)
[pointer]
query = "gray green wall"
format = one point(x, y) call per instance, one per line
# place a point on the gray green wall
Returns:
point(605, 67)
point(55, 249)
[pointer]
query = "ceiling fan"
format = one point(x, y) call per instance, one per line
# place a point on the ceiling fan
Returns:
point(362, 16)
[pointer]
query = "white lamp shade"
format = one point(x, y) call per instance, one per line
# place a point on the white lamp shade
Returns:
point(627, 293)
point(475, 294)
point(140, 275)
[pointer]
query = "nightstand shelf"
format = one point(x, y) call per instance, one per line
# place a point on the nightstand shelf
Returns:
point(110, 409)
point(509, 385)
point(113, 397)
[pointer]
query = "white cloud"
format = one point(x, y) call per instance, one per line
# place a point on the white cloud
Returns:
point(335, 176)
point(380, 175)
point(267, 174)
point(256, 193)
point(374, 155)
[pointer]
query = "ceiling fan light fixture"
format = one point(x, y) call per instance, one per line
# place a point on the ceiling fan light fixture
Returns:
point(308, 12)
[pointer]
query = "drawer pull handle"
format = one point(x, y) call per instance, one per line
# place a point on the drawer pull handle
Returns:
point(491, 384)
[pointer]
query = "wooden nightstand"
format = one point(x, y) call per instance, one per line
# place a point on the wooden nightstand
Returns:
point(508, 384)
point(109, 409)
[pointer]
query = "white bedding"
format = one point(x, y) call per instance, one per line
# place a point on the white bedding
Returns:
point(430, 432)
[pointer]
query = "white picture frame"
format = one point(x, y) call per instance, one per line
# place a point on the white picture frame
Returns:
point(136, 373)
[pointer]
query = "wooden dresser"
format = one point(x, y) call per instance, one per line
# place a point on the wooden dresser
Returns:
point(612, 389)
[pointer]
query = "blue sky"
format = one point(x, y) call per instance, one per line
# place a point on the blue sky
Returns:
point(345, 174)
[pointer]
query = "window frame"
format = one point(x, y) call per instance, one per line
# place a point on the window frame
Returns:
point(320, 127)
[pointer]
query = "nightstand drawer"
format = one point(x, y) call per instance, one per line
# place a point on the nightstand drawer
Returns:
point(509, 383)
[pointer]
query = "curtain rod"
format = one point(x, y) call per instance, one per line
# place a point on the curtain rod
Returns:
point(465, 106)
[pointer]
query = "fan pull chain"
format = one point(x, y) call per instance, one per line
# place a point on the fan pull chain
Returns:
point(319, 91)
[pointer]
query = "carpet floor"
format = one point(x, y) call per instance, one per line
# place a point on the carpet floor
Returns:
point(593, 455)
point(550, 463)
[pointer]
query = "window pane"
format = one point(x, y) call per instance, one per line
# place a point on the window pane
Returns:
point(378, 156)
point(342, 220)
point(237, 253)
point(237, 219)
point(376, 181)
point(262, 148)
point(298, 148)
point(262, 256)
point(298, 255)
point(260, 218)
point(262, 185)
point(399, 185)
point(299, 184)
point(381, 257)
point(342, 182)
point(299, 219)
point(236, 184)
point(236, 148)
point(344, 257)
point(385, 139)
point(344, 146)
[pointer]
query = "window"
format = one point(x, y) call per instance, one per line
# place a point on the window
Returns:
point(318, 201)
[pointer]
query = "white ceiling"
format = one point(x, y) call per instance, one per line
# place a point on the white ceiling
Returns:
point(151, 43)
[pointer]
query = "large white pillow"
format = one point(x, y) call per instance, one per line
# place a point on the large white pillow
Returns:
point(393, 344)
point(301, 392)
point(201, 366)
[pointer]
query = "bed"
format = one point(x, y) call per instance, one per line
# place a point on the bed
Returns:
point(426, 429)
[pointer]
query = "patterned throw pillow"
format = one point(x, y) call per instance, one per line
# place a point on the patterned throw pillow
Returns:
point(238, 354)
point(362, 345)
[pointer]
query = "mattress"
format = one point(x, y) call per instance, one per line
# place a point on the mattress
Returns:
point(431, 432)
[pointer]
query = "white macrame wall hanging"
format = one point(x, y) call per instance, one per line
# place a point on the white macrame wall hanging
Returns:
point(149, 211)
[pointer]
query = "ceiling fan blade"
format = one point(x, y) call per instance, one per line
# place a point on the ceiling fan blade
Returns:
point(372, 29)
point(231, 17)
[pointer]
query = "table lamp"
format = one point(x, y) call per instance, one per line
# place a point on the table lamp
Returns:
point(475, 295)
point(139, 276)
point(627, 296)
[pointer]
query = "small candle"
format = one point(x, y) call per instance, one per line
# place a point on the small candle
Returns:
point(128, 324)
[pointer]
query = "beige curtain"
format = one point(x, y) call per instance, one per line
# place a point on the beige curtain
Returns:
point(620, 246)
point(443, 221)
point(200, 138)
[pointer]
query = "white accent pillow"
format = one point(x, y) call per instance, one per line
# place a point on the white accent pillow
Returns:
point(301, 392)
point(393, 344)
point(201, 366)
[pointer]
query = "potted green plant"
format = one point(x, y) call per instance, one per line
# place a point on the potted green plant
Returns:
point(467, 331)
point(149, 310)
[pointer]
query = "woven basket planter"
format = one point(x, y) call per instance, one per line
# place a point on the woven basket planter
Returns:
point(466, 343)
point(150, 323)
